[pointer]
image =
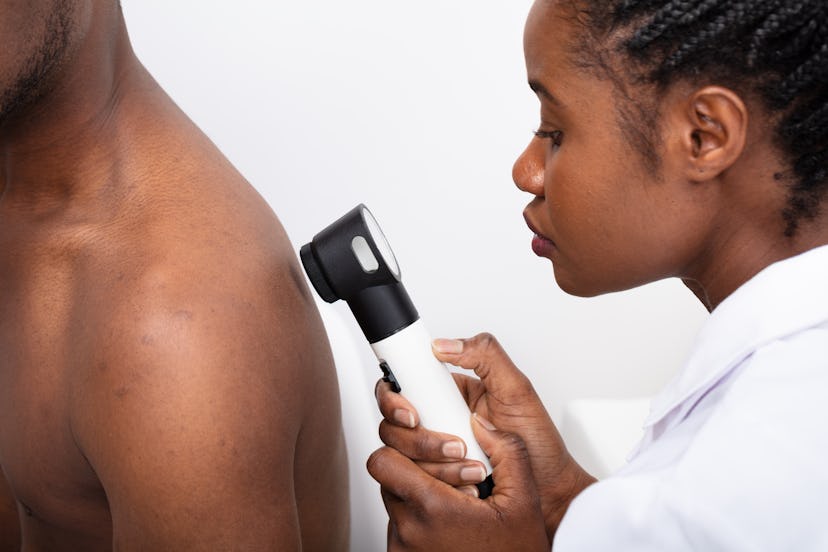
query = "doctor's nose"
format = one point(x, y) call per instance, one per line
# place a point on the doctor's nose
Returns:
point(528, 170)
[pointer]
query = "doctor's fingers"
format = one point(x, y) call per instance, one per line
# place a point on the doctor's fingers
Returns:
point(514, 482)
point(394, 407)
point(403, 480)
point(420, 443)
point(425, 514)
point(463, 475)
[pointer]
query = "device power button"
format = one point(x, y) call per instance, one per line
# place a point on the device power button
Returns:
point(388, 375)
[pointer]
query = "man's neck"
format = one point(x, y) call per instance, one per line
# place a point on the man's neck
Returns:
point(61, 147)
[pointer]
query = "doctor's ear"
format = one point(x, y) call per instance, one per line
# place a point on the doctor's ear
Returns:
point(712, 126)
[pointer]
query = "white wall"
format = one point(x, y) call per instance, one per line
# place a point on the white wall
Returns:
point(417, 109)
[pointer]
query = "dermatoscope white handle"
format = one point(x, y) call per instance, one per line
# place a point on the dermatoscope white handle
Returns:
point(427, 384)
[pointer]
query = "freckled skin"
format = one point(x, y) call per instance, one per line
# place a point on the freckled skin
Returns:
point(165, 383)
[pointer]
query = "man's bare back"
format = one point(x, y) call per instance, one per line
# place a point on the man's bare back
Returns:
point(164, 379)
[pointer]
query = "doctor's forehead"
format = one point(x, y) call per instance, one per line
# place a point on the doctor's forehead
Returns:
point(552, 25)
point(550, 34)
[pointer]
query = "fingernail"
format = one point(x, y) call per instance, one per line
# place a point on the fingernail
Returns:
point(404, 417)
point(450, 346)
point(454, 449)
point(470, 490)
point(474, 474)
point(484, 422)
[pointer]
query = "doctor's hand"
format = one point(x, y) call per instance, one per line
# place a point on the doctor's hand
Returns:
point(502, 394)
point(427, 514)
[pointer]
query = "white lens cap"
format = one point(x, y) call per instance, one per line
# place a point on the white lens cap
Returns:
point(364, 255)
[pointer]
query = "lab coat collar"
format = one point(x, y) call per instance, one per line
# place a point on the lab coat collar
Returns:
point(784, 298)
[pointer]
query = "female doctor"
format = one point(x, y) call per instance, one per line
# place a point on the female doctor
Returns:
point(682, 139)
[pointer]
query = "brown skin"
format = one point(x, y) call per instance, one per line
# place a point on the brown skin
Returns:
point(158, 345)
point(711, 215)
point(9, 522)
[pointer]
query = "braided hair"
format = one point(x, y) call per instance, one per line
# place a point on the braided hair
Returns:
point(776, 50)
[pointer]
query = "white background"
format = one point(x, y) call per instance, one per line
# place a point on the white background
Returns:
point(417, 109)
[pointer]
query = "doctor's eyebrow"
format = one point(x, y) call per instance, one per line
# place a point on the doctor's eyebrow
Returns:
point(541, 90)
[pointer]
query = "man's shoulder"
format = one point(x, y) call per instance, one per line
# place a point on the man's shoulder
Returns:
point(201, 239)
point(183, 199)
point(198, 282)
point(191, 288)
point(202, 347)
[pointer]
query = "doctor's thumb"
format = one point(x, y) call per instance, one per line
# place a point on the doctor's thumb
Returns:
point(484, 354)
point(512, 469)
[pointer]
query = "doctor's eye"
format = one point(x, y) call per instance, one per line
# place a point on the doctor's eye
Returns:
point(555, 135)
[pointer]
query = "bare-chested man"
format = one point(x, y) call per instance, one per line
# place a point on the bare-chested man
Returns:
point(165, 383)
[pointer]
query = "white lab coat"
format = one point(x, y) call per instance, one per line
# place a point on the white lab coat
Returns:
point(735, 451)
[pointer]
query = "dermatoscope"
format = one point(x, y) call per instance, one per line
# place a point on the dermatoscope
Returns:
point(351, 260)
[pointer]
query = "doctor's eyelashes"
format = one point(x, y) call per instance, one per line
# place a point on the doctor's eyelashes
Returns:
point(555, 135)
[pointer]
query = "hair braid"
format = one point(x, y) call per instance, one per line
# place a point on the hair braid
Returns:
point(625, 10)
point(777, 49)
point(814, 70)
point(713, 37)
point(672, 14)
point(807, 123)
point(783, 35)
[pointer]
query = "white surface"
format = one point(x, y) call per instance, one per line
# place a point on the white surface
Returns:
point(418, 110)
point(601, 433)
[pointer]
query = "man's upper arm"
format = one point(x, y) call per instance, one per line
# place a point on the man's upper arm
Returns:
point(192, 421)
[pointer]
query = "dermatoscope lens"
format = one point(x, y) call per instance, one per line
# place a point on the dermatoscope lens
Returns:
point(381, 242)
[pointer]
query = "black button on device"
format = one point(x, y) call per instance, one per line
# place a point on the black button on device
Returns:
point(388, 375)
point(486, 487)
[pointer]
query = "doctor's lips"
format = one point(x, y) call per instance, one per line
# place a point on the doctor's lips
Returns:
point(541, 245)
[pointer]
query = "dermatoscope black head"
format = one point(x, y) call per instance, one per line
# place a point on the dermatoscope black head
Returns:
point(352, 260)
